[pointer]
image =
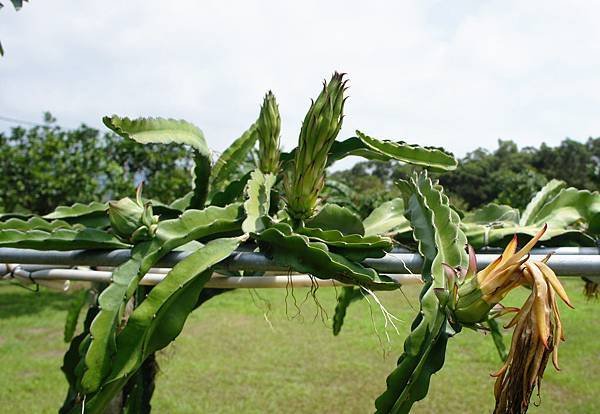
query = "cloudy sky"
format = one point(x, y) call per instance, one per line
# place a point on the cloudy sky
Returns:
point(458, 74)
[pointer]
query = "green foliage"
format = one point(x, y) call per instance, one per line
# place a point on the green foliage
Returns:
point(542, 197)
point(89, 215)
point(158, 320)
point(348, 295)
point(73, 313)
point(388, 217)
point(258, 202)
point(17, 4)
point(60, 239)
point(506, 175)
point(204, 225)
point(201, 172)
point(572, 216)
point(158, 131)
point(354, 146)
point(306, 175)
point(318, 233)
point(570, 208)
point(369, 188)
point(496, 333)
point(227, 167)
point(231, 193)
point(576, 163)
point(412, 154)
point(76, 210)
point(491, 215)
point(34, 223)
point(73, 360)
point(111, 303)
point(511, 176)
point(167, 131)
point(46, 166)
point(436, 228)
point(353, 246)
point(334, 217)
point(268, 130)
point(297, 251)
point(336, 192)
point(514, 188)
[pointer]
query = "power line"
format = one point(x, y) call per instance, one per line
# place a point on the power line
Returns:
point(20, 121)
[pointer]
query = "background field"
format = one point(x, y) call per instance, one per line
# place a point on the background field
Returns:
point(229, 359)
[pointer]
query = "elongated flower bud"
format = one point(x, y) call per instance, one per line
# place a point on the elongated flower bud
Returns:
point(268, 129)
point(319, 130)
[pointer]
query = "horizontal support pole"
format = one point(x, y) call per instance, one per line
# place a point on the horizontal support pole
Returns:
point(27, 275)
point(392, 263)
point(539, 251)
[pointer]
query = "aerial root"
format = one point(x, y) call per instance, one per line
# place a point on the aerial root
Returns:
point(403, 264)
point(407, 299)
point(320, 311)
point(374, 325)
point(289, 291)
point(388, 317)
point(267, 306)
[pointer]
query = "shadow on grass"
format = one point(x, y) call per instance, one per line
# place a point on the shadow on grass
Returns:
point(16, 301)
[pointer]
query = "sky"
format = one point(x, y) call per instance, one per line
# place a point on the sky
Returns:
point(456, 74)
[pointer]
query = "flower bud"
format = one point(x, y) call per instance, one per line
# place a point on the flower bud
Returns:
point(319, 130)
point(132, 220)
point(268, 129)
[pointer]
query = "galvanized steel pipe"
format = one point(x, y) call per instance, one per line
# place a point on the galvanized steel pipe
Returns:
point(392, 263)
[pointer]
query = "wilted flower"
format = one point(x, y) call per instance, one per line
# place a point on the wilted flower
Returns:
point(538, 329)
point(537, 335)
point(480, 291)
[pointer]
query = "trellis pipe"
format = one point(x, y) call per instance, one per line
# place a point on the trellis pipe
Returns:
point(539, 250)
point(393, 263)
point(23, 273)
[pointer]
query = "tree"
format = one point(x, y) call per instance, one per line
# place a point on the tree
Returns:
point(573, 162)
point(503, 176)
point(46, 166)
point(507, 175)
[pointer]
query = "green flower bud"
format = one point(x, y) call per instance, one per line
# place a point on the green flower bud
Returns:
point(125, 217)
point(268, 129)
point(319, 130)
point(131, 220)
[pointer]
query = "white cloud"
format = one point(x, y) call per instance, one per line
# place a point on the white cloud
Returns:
point(459, 75)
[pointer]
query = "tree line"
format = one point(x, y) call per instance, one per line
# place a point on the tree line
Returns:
point(44, 166)
point(505, 175)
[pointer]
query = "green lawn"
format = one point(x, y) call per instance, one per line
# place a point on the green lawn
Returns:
point(229, 359)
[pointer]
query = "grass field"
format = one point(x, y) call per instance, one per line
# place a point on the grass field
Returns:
point(229, 359)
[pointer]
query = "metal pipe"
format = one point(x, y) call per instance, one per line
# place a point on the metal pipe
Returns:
point(24, 276)
point(217, 281)
point(539, 251)
point(393, 263)
point(550, 250)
